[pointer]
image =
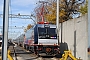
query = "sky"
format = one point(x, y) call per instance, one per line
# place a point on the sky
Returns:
point(24, 7)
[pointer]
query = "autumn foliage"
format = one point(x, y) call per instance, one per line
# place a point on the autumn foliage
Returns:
point(28, 27)
point(67, 9)
point(84, 8)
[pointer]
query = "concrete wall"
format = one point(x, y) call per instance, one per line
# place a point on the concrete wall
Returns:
point(75, 34)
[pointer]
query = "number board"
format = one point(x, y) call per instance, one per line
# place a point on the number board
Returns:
point(46, 26)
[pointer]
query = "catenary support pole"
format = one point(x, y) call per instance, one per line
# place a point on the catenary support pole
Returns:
point(5, 29)
point(57, 21)
point(89, 22)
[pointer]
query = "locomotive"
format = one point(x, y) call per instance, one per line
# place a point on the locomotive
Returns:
point(42, 39)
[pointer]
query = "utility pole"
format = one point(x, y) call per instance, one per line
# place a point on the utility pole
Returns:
point(57, 22)
point(5, 29)
point(89, 22)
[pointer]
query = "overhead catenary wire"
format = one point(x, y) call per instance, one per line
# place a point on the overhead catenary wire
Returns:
point(11, 28)
point(11, 13)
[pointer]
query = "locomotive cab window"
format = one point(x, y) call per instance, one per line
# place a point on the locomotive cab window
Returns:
point(49, 33)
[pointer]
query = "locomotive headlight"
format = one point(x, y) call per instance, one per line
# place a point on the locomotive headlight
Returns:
point(47, 35)
point(53, 37)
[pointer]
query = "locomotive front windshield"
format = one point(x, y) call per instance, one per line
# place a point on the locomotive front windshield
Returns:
point(47, 33)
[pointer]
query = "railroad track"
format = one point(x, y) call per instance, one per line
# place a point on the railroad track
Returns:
point(22, 54)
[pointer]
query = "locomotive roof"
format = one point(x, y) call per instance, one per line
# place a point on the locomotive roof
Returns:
point(50, 25)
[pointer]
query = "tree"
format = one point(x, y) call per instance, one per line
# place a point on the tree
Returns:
point(67, 8)
point(29, 26)
point(84, 8)
point(25, 30)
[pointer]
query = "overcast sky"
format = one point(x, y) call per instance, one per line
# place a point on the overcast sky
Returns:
point(24, 7)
